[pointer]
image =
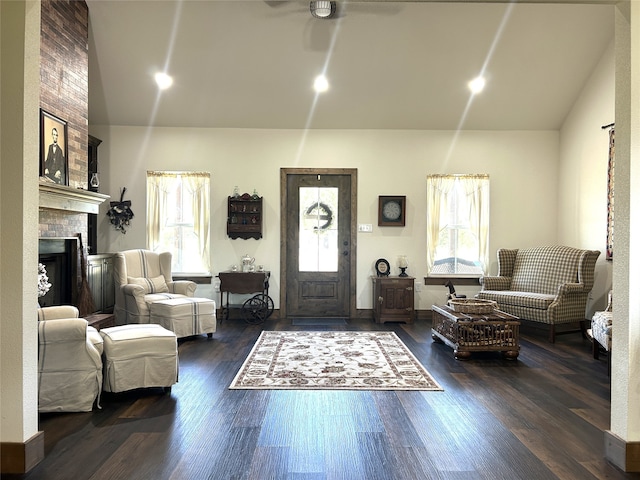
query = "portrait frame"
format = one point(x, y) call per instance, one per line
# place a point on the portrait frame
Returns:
point(397, 206)
point(48, 122)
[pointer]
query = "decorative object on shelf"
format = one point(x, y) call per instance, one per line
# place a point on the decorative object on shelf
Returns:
point(452, 291)
point(382, 267)
point(255, 195)
point(472, 305)
point(403, 264)
point(120, 213)
point(391, 210)
point(236, 192)
point(54, 163)
point(43, 281)
point(95, 180)
point(247, 263)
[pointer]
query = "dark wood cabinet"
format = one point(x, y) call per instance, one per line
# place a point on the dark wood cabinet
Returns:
point(393, 299)
point(92, 165)
point(244, 217)
point(101, 283)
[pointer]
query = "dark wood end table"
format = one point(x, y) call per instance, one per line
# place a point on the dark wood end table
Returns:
point(101, 320)
point(466, 333)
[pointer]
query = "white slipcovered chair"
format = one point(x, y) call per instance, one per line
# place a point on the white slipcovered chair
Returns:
point(69, 361)
point(141, 278)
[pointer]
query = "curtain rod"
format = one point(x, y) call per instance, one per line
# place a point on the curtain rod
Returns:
point(611, 125)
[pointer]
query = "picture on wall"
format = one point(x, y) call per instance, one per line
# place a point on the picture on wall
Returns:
point(54, 163)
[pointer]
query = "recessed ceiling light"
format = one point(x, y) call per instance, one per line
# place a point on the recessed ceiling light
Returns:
point(477, 85)
point(163, 80)
point(321, 84)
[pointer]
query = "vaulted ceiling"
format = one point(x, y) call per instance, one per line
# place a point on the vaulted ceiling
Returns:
point(390, 64)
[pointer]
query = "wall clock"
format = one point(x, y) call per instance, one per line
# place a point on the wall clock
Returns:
point(391, 210)
point(382, 267)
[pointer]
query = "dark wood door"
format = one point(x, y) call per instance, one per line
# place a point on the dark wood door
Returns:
point(319, 247)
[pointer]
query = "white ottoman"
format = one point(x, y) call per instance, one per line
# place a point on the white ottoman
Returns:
point(139, 356)
point(185, 316)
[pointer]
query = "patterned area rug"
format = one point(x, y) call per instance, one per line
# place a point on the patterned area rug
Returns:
point(332, 361)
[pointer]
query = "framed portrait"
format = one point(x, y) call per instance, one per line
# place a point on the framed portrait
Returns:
point(392, 211)
point(54, 162)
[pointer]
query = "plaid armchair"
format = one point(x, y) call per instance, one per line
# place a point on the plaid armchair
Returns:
point(549, 285)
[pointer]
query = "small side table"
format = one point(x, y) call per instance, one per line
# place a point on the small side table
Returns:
point(101, 320)
point(465, 332)
point(241, 283)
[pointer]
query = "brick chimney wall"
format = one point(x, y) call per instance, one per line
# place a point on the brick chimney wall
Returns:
point(64, 92)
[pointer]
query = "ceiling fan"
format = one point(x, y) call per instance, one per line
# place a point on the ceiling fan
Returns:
point(323, 8)
point(332, 9)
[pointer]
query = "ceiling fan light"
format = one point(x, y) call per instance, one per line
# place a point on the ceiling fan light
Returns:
point(322, 8)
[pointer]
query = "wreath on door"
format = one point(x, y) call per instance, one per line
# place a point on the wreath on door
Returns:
point(323, 212)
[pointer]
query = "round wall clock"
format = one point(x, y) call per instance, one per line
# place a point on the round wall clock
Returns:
point(382, 267)
point(391, 211)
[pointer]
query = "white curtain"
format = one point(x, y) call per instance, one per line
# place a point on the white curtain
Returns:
point(439, 188)
point(159, 185)
point(198, 187)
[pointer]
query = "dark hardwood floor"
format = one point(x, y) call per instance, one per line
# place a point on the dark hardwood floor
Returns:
point(540, 417)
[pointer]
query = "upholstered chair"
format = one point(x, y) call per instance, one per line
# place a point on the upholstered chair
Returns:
point(142, 277)
point(601, 330)
point(69, 361)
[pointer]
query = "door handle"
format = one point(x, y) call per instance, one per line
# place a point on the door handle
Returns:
point(345, 253)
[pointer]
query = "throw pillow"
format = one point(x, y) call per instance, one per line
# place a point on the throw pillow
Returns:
point(150, 285)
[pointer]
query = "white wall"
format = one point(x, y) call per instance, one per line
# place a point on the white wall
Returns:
point(522, 168)
point(584, 153)
point(20, 78)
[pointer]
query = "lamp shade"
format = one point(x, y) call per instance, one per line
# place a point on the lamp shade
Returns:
point(322, 8)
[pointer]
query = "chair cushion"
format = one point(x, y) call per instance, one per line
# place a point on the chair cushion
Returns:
point(150, 285)
point(538, 301)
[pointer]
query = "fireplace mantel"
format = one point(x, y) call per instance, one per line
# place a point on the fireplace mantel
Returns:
point(62, 197)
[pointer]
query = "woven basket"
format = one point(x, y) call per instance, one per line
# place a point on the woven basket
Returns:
point(472, 305)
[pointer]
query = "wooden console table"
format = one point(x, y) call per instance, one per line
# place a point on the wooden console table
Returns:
point(241, 283)
point(101, 320)
point(465, 333)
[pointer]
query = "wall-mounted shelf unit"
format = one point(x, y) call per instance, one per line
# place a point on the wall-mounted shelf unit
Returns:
point(244, 217)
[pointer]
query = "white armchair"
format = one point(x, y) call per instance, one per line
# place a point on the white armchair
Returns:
point(141, 278)
point(69, 361)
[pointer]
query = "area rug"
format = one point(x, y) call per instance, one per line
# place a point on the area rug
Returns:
point(332, 361)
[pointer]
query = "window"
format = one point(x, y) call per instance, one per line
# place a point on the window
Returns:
point(318, 250)
point(457, 225)
point(178, 218)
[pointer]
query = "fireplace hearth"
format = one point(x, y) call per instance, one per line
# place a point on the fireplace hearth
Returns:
point(59, 255)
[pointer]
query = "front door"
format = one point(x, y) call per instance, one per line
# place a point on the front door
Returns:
point(318, 251)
